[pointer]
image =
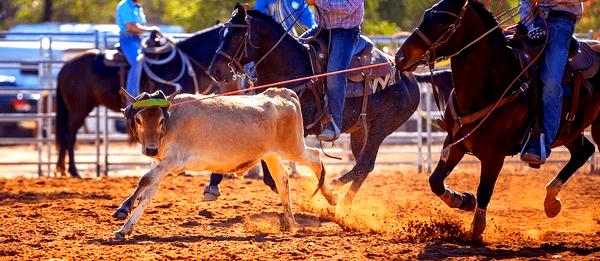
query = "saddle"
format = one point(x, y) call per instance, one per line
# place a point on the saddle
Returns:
point(114, 57)
point(359, 83)
point(364, 54)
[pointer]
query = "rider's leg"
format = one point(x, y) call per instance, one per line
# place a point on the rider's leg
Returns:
point(340, 57)
point(131, 47)
point(560, 31)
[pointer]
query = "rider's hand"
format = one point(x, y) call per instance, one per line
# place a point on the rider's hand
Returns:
point(153, 29)
point(310, 2)
point(536, 33)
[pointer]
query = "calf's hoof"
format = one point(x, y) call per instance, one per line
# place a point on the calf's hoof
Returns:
point(121, 214)
point(332, 199)
point(552, 207)
point(119, 235)
point(478, 225)
point(211, 193)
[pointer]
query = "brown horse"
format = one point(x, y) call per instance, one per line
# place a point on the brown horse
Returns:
point(84, 82)
point(481, 74)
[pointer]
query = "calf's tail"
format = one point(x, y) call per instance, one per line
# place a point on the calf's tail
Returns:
point(321, 180)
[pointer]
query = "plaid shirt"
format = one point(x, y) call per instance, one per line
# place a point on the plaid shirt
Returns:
point(340, 13)
point(572, 6)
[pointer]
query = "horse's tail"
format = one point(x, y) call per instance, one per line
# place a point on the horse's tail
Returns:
point(62, 118)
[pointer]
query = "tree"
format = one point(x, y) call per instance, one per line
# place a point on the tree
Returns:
point(47, 15)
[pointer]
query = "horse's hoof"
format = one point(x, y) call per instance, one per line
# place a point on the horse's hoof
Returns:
point(119, 235)
point(469, 202)
point(211, 193)
point(552, 207)
point(478, 225)
point(120, 214)
point(59, 172)
point(74, 173)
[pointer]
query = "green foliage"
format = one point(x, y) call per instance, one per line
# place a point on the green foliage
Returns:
point(381, 16)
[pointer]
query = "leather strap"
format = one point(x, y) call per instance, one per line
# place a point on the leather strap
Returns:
point(473, 117)
point(577, 81)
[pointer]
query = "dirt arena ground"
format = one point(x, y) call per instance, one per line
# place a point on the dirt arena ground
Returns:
point(394, 216)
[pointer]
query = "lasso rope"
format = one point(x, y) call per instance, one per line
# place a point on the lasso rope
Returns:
point(185, 64)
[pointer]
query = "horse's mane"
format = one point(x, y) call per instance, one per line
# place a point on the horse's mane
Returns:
point(489, 22)
point(205, 30)
point(204, 33)
point(268, 19)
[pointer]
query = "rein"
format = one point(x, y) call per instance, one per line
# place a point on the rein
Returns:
point(301, 79)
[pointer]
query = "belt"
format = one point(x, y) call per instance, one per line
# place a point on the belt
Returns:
point(562, 14)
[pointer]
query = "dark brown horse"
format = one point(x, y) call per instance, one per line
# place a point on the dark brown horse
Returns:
point(481, 74)
point(386, 109)
point(84, 82)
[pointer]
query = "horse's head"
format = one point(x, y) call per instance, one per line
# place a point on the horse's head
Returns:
point(239, 45)
point(146, 117)
point(439, 34)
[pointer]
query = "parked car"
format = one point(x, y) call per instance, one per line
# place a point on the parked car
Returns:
point(18, 102)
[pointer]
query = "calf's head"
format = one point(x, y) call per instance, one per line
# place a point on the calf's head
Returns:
point(147, 116)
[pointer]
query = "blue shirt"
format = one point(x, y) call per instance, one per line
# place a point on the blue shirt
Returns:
point(269, 7)
point(129, 12)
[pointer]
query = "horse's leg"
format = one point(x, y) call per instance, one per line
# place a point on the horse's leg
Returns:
point(581, 150)
point(364, 165)
point(490, 169)
point(59, 171)
point(75, 122)
point(267, 178)
point(463, 201)
point(211, 191)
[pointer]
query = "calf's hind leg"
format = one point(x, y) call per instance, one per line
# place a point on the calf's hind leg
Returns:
point(283, 187)
point(312, 158)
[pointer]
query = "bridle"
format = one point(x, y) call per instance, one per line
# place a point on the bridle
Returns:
point(234, 61)
point(242, 50)
point(430, 55)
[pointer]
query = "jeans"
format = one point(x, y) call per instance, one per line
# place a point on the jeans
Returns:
point(342, 45)
point(131, 47)
point(560, 32)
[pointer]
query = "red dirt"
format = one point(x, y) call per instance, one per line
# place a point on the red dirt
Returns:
point(394, 216)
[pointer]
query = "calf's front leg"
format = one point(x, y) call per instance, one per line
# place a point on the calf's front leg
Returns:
point(144, 192)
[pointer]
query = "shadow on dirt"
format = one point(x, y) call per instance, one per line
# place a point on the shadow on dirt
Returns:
point(185, 239)
point(7, 198)
point(440, 251)
point(302, 220)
